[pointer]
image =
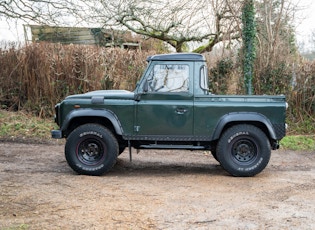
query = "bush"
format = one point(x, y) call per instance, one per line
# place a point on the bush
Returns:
point(219, 76)
point(37, 76)
point(301, 98)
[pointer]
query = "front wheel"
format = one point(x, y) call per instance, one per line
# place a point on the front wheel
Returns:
point(91, 149)
point(243, 150)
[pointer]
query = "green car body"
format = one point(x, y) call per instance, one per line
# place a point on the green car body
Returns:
point(171, 108)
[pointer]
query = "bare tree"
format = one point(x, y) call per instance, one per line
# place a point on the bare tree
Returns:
point(41, 11)
point(225, 23)
point(175, 22)
point(275, 20)
point(276, 46)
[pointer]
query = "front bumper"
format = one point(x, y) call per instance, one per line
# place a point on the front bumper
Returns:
point(56, 134)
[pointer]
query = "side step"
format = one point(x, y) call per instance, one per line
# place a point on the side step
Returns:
point(158, 146)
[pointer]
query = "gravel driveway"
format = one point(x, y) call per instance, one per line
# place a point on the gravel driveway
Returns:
point(159, 190)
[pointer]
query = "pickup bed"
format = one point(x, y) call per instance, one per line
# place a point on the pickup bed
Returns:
point(171, 108)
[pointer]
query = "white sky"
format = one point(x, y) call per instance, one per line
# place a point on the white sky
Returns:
point(305, 19)
point(11, 32)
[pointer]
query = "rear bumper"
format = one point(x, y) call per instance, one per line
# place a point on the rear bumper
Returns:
point(56, 134)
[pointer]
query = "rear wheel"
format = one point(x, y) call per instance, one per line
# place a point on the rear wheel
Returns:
point(243, 150)
point(91, 149)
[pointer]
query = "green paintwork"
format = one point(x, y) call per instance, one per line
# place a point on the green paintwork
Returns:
point(165, 114)
point(209, 109)
point(194, 114)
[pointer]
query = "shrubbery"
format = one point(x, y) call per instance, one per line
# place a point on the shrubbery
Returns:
point(37, 76)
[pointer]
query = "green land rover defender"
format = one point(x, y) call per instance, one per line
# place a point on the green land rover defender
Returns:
point(171, 108)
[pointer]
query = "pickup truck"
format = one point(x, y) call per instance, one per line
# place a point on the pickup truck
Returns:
point(170, 108)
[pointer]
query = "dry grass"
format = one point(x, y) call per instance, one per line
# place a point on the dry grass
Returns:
point(35, 77)
point(303, 88)
point(22, 125)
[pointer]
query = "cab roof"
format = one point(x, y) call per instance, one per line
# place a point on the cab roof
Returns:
point(177, 57)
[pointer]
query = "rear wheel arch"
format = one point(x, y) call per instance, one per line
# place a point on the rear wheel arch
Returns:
point(255, 119)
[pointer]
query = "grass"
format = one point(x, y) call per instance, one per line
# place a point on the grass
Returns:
point(22, 125)
point(20, 227)
point(304, 126)
point(298, 142)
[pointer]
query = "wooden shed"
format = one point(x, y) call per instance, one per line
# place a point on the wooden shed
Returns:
point(84, 35)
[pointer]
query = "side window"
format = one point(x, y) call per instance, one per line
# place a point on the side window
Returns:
point(169, 78)
point(204, 78)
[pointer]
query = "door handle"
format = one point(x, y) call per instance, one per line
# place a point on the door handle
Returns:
point(180, 111)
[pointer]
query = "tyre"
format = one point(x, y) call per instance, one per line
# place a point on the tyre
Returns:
point(91, 149)
point(243, 150)
point(214, 154)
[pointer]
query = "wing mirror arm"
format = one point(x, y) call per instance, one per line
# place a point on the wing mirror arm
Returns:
point(146, 86)
point(145, 89)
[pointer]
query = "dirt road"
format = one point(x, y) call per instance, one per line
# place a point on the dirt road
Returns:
point(158, 190)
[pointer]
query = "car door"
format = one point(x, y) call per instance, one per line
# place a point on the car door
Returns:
point(165, 108)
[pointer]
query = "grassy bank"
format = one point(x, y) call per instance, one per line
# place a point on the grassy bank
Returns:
point(299, 142)
point(21, 125)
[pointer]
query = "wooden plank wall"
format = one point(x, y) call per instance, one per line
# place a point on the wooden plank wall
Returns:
point(83, 35)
